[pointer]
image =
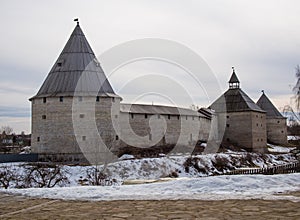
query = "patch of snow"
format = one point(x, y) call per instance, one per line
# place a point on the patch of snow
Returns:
point(207, 188)
point(279, 149)
point(293, 138)
point(126, 157)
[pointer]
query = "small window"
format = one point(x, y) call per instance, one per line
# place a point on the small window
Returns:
point(257, 125)
point(186, 117)
point(59, 64)
point(44, 100)
point(261, 139)
point(282, 131)
point(278, 122)
point(146, 116)
point(132, 116)
point(256, 116)
point(83, 138)
point(228, 139)
point(81, 116)
point(61, 98)
point(113, 99)
point(260, 125)
point(158, 116)
point(38, 139)
point(80, 98)
point(43, 116)
point(227, 125)
point(117, 137)
point(227, 116)
point(169, 117)
point(178, 117)
point(97, 99)
point(257, 139)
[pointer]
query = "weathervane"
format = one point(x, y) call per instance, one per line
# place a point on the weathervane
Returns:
point(263, 91)
point(77, 20)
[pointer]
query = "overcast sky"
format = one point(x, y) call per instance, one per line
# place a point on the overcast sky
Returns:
point(260, 38)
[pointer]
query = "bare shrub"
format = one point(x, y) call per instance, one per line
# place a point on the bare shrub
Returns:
point(95, 177)
point(43, 175)
point(193, 162)
point(7, 176)
point(222, 163)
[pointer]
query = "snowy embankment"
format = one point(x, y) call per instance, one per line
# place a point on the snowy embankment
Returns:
point(207, 188)
point(186, 186)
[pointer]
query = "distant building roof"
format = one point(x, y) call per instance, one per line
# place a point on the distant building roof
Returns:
point(76, 70)
point(265, 104)
point(158, 109)
point(234, 78)
point(234, 100)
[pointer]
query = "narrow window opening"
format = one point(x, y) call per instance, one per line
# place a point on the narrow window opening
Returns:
point(83, 138)
point(132, 116)
point(43, 116)
point(61, 98)
point(59, 64)
point(38, 139)
point(113, 99)
point(81, 116)
point(227, 125)
point(227, 116)
point(44, 100)
point(186, 117)
point(178, 117)
point(97, 99)
point(117, 137)
point(80, 98)
point(257, 125)
point(278, 122)
point(169, 117)
point(146, 116)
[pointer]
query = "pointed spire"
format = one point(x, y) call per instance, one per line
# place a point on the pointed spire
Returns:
point(76, 68)
point(234, 81)
point(265, 104)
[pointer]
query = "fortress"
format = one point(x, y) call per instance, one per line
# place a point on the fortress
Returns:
point(76, 110)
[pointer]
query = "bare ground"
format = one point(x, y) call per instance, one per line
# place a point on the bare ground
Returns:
point(19, 207)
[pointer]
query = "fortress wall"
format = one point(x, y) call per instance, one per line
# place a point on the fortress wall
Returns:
point(143, 131)
point(277, 130)
point(91, 120)
point(246, 129)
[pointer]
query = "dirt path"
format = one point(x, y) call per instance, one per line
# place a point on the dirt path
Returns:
point(18, 207)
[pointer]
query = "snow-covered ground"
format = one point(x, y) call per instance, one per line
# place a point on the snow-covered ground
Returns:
point(193, 182)
point(279, 149)
point(205, 188)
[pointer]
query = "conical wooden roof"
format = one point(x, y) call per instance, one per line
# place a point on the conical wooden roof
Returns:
point(265, 104)
point(235, 100)
point(76, 70)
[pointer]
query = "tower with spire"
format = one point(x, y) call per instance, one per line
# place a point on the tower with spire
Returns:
point(276, 123)
point(75, 80)
point(241, 121)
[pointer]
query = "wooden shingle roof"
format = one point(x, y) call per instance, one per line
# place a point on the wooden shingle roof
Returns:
point(76, 70)
point(265, 104)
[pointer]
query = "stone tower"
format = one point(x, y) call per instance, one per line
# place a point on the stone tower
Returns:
point(276, 123)
point(75, 107)
point(244, 122)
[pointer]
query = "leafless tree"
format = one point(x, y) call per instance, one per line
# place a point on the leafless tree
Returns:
point(296, 88)
point(7, 176)
point(7, 129)
point(45, 176)
point(96, 177)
